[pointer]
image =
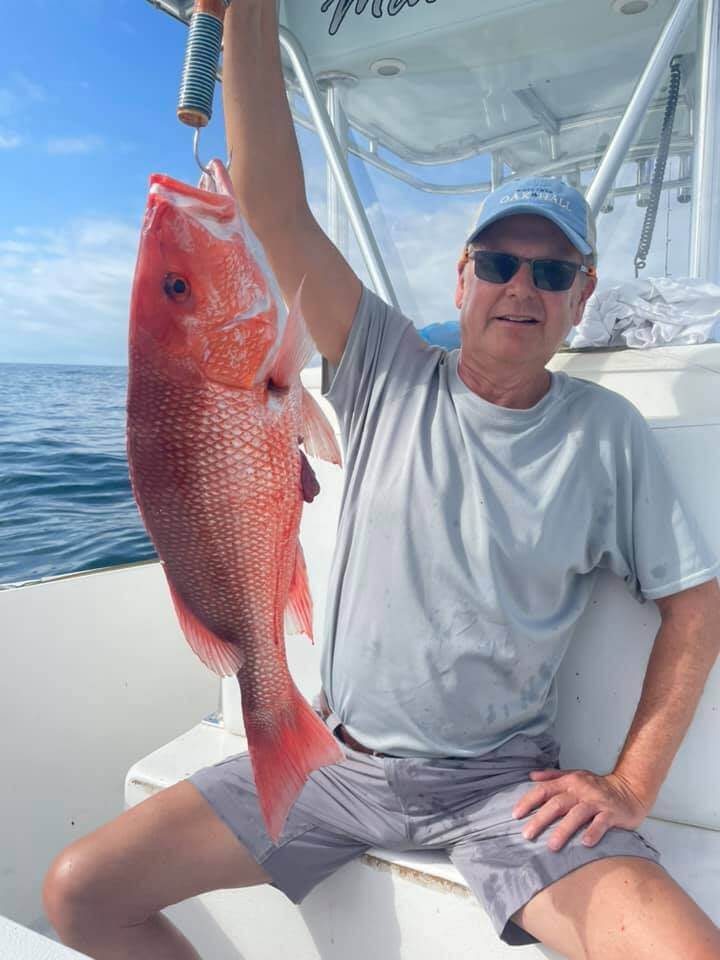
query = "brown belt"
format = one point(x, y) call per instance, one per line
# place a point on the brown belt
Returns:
point(342, 733)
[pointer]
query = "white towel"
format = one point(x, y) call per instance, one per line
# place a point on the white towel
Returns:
point(651, 312)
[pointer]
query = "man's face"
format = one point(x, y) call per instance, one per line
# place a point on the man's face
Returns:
point(482, 303)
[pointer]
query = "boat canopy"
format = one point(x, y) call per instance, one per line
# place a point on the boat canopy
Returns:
point(539, 84)
point(582, 89)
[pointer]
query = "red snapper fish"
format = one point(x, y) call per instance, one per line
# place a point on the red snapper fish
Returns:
point(215, 413)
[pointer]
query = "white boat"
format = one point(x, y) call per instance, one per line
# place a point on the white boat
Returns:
point(104, 704)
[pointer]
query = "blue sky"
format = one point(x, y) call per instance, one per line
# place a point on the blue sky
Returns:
point(87, 112)
point(88, 92)
point(92, 98)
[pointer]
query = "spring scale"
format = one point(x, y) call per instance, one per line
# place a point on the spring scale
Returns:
point(202, 56)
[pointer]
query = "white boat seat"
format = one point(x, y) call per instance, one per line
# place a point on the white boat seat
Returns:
point(599, 683)
point(21, 943)
point(422, 901)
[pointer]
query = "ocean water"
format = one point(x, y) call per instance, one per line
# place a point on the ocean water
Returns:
point(65, 498)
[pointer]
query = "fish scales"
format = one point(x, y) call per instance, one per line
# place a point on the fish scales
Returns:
point(215, 413)
point(201, 523)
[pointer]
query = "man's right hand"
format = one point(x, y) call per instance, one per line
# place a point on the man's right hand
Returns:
point(267, 174)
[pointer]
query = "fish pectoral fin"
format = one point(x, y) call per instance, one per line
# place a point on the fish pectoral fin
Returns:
point(221, 657)
point(296, 348)
point(318, 435)
point(298, 612)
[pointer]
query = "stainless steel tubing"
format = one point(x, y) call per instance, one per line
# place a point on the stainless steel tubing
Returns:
point(339, 166)
point(487, 146)
point(336, 214)
point(634, 114)
point(370, 157)
point(705, 223)
point(586, 161)
point(337, 218)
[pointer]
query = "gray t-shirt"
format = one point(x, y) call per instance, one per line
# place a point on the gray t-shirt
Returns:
point(469, 537)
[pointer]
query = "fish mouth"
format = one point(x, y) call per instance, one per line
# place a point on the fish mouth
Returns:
point(199, 203)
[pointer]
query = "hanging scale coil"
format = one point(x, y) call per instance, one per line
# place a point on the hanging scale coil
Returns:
point(202, 56)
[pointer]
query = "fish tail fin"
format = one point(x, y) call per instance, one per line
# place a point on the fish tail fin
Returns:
point(283, 754)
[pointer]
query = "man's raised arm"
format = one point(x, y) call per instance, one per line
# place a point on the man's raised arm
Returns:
point(268, 178)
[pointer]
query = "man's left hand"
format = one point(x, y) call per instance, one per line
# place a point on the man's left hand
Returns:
point(579, 797)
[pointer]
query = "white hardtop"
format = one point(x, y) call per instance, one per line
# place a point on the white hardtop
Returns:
point(476, 72)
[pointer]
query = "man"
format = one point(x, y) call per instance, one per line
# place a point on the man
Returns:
point(482, 492)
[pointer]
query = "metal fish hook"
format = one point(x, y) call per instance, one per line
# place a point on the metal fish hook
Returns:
point(196, 140)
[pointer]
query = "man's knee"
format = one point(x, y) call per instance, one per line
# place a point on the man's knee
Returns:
point(620, 908)
point(67, 892)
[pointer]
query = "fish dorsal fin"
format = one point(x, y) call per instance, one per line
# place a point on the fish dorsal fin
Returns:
point(298, 613)
point(296, 348)
point(221, 657)
point(318, 436)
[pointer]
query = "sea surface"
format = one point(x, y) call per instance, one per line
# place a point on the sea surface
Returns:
point(65, 498)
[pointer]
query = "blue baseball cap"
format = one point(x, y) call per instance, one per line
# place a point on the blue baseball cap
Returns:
point(548, 197)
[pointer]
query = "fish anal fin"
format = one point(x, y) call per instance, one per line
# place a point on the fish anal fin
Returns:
point(298, 613)
point(221, 657)
point(296, 348)
point(283, 754)
point(318, 435)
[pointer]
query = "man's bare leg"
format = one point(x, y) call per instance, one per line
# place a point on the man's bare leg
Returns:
point(620, 908)
point(103, 893)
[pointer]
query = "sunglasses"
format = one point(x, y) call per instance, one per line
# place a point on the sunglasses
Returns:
point(555, 275)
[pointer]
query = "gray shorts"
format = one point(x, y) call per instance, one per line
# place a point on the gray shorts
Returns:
point(463, 806)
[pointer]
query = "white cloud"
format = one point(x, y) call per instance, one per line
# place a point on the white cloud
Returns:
point(16, 246)
point(64, 293)
point(17, 93)
point(70, 145)
point(419, 237)
point(27, 88)
point(9, 140)
point(427, 246)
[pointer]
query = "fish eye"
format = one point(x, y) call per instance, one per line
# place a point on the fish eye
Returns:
point(176, 287)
